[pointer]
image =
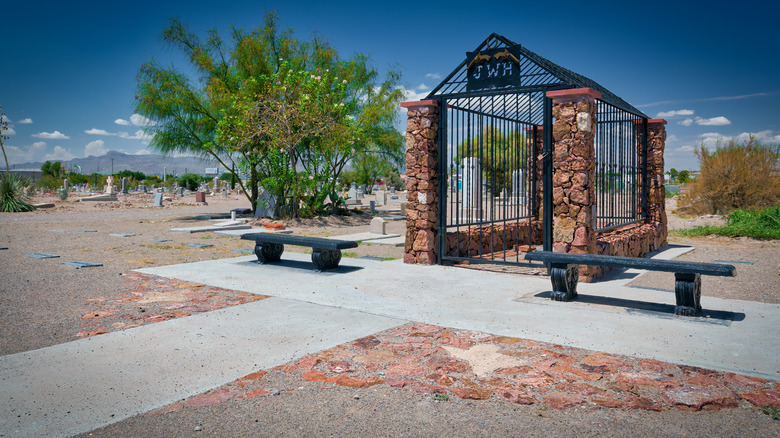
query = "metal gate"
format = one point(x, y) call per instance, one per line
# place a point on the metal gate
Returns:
point(490, 192)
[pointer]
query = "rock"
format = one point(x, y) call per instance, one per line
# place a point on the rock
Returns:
point(762, 398)
point(198, 428)
point(696, 397)
point(562, 400)
point(472, 393)
point(276, 392)
point(515, 396)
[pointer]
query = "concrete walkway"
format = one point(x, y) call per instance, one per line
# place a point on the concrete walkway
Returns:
point(82, 385)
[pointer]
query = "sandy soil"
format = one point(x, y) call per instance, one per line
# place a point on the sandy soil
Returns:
point(43, 301)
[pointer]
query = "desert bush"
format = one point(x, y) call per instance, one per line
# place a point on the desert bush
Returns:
point(190, 181)
point(12, 194)
point(734, 176)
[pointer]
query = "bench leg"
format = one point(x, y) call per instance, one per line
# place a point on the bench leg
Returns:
point(687, 290)
point(269, 252)
point(564, 281)
point(325, 259)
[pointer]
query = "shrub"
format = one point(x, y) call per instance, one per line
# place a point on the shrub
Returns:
point(756, 223)
point(736, 175)
point(190, 181)
point(12, 196)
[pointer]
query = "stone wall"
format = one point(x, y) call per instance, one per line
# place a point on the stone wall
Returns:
point(422, 158)
point(482, 240)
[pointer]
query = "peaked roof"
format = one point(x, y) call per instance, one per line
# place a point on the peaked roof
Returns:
point(538, 74)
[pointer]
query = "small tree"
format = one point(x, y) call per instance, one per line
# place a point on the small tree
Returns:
point(12, 196)
point(683, 177)
point(736, 175)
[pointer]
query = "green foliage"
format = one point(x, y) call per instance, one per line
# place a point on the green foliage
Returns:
point(3, 137)
point(12, 195)
point(63, 193)
point(52, 169)
point(190, 181)
point(137, 176)
point(499, 154)
point(683, 177)
point(756, 223)
point(290, 113)
point(734, 176)
point(48, 182)
point(77, 178)
point(772, 411)
point(672, 174)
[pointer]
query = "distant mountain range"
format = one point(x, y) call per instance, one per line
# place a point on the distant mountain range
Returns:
point(150, 164)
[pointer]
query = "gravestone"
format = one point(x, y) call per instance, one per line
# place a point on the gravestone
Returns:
point(372, 205)
point(200, 196)
point(181, 192)
point(352, 193)
point(216, 184)
point(110, 185)
point(518, 185)
point(472, 170)
point(266, 205)
point(224, 193)
point(392, 190)
point(124, 185)
point(361, 191)
point(381, 198)
point(65, 184)
point(158, 199)
point(378, 226)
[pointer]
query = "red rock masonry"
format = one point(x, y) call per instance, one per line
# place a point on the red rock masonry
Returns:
point(574, 160)
point(422, 158)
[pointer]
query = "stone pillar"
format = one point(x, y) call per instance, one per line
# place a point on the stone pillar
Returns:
point(422, 162)
point(656, 191)
point(539, 138)
point(574, 160)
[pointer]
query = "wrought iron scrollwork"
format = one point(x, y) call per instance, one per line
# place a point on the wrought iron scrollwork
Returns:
point(269, 252)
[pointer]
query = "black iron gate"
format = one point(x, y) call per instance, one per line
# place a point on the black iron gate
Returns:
point(490, 193)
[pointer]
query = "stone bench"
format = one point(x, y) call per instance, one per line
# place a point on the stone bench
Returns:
point(564, 273)
point(326, 253)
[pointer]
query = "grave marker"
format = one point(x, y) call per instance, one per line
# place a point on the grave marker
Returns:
point(158, 199)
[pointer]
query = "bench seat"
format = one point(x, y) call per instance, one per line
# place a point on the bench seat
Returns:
point(564, 273)
point(326, 253)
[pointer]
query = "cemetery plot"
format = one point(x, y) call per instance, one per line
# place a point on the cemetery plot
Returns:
point(41, 255)
point(122, 234)
point(80, 265)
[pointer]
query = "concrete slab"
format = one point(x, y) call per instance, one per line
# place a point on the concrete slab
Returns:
point(239, 233)
point(393, 241)
point(360, 237)
point(205, 228)
point(608, 316)
point(78, 386)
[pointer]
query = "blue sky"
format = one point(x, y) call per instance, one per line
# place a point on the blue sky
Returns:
point(67, 69)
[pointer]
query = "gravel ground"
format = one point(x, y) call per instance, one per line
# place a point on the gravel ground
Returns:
point(42, 302)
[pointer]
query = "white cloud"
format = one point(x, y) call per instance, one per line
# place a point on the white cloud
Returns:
point(433, 76)
point(9, 131)
point(139, 135)
point(122, 122)
point(143, 152)
point(766, 136)
point(96, 148)
point(95, 131)
point(56, 135)
point(715, 121)
point(59, 153)
point(412, 95)
point(685, 148)
point(139, 120)
point(423, 87)
point(26, 121)
point(682, 112)
point(686, 122)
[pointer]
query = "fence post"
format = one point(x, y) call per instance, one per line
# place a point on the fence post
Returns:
point(574, 160)
point(422, 175)
point(656, 191)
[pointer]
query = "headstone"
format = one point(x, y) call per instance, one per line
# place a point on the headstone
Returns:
point(124, 185)
point(216, 184)
point(158, 199)
point(110, 185)
point(361, 191)
point(392, 190)
point(224, 194)
point(181, 192)
point(518, 185)
point(65, 184)
point(266, 205)
point(352, 193)
point(381, 198)
point(372, 205)
point(200, 196)
point(378, 226)
point(403, 208)
point(472, 171)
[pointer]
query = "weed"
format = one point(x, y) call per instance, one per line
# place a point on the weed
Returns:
point(756, 223)
point(772, 411)
point(349, 254)
point(12, 196)
point(440, 397)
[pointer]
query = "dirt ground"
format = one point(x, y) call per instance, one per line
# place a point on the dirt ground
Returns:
point(44, 302)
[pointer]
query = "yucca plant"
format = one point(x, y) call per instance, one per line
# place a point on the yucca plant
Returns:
point(12, 196)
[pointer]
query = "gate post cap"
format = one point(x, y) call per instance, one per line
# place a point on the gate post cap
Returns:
point(414, 103)
point(656, 121)
point(573, 92)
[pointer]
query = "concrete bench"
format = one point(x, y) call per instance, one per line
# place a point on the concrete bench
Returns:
point(326, 253)
point(564, 272)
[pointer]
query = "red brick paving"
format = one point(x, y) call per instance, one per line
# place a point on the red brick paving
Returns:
point(147, 299)
point(411, 357)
